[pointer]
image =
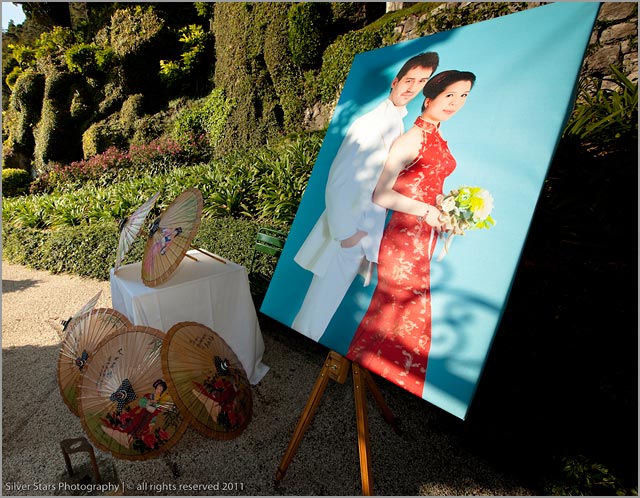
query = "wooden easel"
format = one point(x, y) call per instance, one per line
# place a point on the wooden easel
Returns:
point(336, 367)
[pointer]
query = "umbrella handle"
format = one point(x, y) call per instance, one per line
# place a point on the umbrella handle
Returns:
point(207, 254)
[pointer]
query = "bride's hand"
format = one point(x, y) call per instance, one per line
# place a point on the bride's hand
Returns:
point(435, 219)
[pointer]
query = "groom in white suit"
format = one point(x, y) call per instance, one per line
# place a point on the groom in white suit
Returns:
point(346, 237)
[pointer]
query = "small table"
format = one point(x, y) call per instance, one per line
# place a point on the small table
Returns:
point(203, 290)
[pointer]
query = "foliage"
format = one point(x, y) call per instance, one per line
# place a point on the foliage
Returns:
point(82, 106)
point(204, 117)
point(24, 55)
point(204, 9)
point(153, 158)
point(337, 59)
point(54, 43)
point(14, 181)
point(13, 76)
point(286, 76)
point(150, 127)
point(194, 43)
point(48, 14)
point(101, 136)
point(26, 100)
point(349, 16)
point(90, 250)
point(281, 175)
point(307, 22)
point(56, 136)
point(87, 251)
point(113, 92)
point(265, 185)
point(582, 477)
point(244, 33)
point(132, 109)
point(605, 115)
point(82, 58)
point(453, 15)
point(133, 28)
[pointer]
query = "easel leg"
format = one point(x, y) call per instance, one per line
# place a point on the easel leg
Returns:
point(360, 395)
point(307, 414)
point(336, 367)
point(388, 415)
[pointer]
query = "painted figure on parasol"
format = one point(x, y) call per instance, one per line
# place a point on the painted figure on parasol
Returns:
point(137, 423)
point(218, 393)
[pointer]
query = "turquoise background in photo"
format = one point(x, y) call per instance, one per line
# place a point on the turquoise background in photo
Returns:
point(527, 65)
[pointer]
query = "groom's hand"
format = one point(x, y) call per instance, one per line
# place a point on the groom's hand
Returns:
point(353, 240)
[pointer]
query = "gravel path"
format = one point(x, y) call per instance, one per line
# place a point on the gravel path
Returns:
point(428, 458)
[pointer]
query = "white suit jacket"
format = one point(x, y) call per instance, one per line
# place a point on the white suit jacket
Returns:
point(352, 179)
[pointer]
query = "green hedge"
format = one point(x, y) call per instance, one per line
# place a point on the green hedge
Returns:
point(15, 181)
point(90, 251)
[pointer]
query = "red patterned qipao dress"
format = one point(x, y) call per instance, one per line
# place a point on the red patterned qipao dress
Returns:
point(394, 336)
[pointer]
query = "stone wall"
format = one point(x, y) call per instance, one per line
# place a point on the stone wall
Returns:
point(614, 41)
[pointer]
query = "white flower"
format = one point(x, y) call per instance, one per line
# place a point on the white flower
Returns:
point(487, 205)
point(448, 204)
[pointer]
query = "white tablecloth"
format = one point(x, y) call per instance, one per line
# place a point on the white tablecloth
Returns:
point(205, 291)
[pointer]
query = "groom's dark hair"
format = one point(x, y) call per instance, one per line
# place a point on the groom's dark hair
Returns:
point(425, 59)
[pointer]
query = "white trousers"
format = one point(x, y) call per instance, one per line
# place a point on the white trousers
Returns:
point(326, 292)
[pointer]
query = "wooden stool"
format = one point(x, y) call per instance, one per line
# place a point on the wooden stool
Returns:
point(76, 445)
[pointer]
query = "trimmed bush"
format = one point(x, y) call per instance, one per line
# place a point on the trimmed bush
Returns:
point(307, 22)
point(241, 71)
point(81, 58)
point(57, 139)
point(286, 76)
point(132, 29)
point(103, 135)
point(132, 109)
point(113, 92)
point(90, 250)
point(26, 99)
point(150, 127)
point(13, 76)
point(338, 57)
point(15, 182)
point(206, 116)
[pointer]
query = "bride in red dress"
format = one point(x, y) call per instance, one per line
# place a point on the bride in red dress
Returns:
point(394, 336)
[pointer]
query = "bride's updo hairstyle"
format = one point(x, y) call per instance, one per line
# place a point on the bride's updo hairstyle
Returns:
point(437, 84)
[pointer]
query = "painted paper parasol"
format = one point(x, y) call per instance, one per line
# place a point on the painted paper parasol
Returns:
point(85, 309)
point(170, 237)
point(125, 406)
point(79, 344)
point(130, 228)
point(207, 380)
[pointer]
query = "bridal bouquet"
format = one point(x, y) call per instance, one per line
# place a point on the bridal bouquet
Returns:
point(464, 208)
